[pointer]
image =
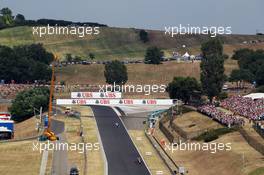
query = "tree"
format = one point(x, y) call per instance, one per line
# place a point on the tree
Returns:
point(69, 57)
point(153, 55)
point(235, 75)
point(35, 52)
point(115, 72)
point(143, 36)
point(2, 23)
point(7, 16)
point(183, 88)
point(212, 68)
point(225, 56)
point(7, 64)
point(23, 105)
point(20, 19)
point(260, 76)
point(6, 11)
point(91, 56)
point(260, 89)
point(77, 58)
point(242, 53)
point(24, 64)
point(241, 75)
point(252, 60)
point(246, 76)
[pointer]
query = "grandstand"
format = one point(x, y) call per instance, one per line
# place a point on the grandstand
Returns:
point(221, 116)
point(245, 106)
point(9, 91)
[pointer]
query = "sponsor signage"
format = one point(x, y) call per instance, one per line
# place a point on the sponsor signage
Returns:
point(96, 95)
point(114, 102)
point(5, 116)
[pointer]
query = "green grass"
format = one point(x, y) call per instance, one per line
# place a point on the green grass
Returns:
point(258, 171)
point(112, 43)
point(214, 134)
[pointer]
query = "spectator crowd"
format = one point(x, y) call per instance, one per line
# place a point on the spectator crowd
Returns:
point(220, 116)
point(245, 106)
point(9, 91)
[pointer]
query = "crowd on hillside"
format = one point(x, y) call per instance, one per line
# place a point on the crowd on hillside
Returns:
point(247, 107)
point(220, 116)
point(9, 91)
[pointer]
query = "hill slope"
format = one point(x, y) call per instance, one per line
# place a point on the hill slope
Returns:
point(116, 43)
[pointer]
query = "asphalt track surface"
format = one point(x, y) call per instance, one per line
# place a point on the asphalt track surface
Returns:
point(119, 149)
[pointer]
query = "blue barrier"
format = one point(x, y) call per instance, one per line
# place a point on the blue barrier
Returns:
point(154, 116)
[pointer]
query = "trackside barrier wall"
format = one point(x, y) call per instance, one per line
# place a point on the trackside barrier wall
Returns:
point(168, 134)
point(252, 141)
point(259, 130)
point(162, 153)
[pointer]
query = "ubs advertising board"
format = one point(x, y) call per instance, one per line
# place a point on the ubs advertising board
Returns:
point(114, 102)
point(96, 95)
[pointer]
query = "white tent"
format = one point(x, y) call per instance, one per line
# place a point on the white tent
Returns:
point(255, 95)
point(186, 55)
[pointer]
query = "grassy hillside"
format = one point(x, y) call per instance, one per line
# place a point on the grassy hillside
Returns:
point(117, 43)
point(137, 73)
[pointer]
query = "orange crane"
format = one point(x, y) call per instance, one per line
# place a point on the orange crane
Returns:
point(48, 133)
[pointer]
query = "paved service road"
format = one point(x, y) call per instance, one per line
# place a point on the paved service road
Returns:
point(120, 151)
point(57, 126)
point(60, 160)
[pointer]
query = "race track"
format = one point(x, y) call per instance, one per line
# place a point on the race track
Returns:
point(120, 151)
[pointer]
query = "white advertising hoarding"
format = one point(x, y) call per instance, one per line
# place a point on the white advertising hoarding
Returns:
point(114, 102)
point(82, 95)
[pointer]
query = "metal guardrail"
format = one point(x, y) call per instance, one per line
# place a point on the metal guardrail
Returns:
point(154, 116)
point(24, 139)
point(162, 155)
point(20, 140)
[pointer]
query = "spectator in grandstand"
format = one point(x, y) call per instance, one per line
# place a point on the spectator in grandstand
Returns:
point(220, 116)
point(9, 91)
point(245, 106)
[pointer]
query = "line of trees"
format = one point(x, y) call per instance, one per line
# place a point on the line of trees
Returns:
point(25, 63)
point(251, 66)
point(7, 19)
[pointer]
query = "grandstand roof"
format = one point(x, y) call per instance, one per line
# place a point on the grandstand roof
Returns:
point(255, 95)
